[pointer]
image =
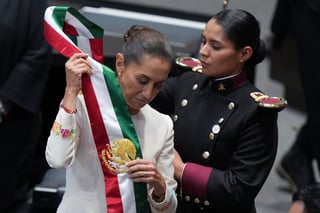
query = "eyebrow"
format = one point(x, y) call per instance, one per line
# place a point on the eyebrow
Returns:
point(212, 40)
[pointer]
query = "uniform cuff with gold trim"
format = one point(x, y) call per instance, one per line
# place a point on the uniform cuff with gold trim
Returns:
point(194, 179)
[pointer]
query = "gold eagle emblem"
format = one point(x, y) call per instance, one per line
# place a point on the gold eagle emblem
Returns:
point(116, 155)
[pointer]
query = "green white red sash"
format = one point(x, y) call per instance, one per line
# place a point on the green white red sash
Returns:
point(67, 31)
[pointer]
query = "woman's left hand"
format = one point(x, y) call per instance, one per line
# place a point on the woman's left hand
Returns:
point(141, 170)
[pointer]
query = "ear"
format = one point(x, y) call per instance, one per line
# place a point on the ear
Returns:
point(119, 63)
point(246, 53)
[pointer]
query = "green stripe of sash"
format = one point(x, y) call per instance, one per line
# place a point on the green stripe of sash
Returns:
point(128, 131)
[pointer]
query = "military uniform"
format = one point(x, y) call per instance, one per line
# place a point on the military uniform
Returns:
point(226, 139)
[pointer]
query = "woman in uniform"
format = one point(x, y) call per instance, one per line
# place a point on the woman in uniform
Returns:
point(225, 128)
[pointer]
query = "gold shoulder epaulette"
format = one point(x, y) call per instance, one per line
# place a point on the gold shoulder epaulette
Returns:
point(276, 103)
point(189, 62)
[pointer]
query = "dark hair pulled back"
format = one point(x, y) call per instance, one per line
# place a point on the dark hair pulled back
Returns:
point(243, 29)
point(141, 40)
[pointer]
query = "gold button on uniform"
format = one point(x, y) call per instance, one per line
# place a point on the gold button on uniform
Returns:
point(175, 118)
point(211, 136)
point(184, 102)
point(195, 86)
point(205, 155)
point(196, 200)
point(231, 105)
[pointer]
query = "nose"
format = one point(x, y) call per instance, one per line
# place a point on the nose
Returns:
point(203, 50)
point(148, 92)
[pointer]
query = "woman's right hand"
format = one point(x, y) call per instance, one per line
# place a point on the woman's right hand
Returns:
point(75, 67)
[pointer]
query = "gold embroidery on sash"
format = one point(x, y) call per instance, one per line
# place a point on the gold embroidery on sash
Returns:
point(115, 156)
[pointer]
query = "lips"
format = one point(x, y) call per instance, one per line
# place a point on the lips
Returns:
point(203, 64)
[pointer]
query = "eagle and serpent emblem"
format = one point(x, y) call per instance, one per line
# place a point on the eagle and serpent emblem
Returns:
point(116, 155)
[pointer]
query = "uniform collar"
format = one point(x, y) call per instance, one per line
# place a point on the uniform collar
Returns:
point(224, 85)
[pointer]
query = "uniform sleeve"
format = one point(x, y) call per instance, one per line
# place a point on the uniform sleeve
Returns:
point(165, 166)
point(195, 179)
point(63, 140)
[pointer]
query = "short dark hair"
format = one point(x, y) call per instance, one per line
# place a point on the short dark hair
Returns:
point(310, 196)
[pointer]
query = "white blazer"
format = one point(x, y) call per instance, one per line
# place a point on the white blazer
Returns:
point(85, 186)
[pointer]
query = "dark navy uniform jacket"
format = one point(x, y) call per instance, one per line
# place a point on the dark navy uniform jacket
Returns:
point(226, 139)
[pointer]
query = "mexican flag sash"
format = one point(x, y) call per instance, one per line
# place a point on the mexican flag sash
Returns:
point(69, 32)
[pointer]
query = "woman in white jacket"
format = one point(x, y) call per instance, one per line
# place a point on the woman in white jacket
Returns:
point(141, 69)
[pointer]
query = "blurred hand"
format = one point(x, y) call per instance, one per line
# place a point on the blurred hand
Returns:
point(141, 170)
